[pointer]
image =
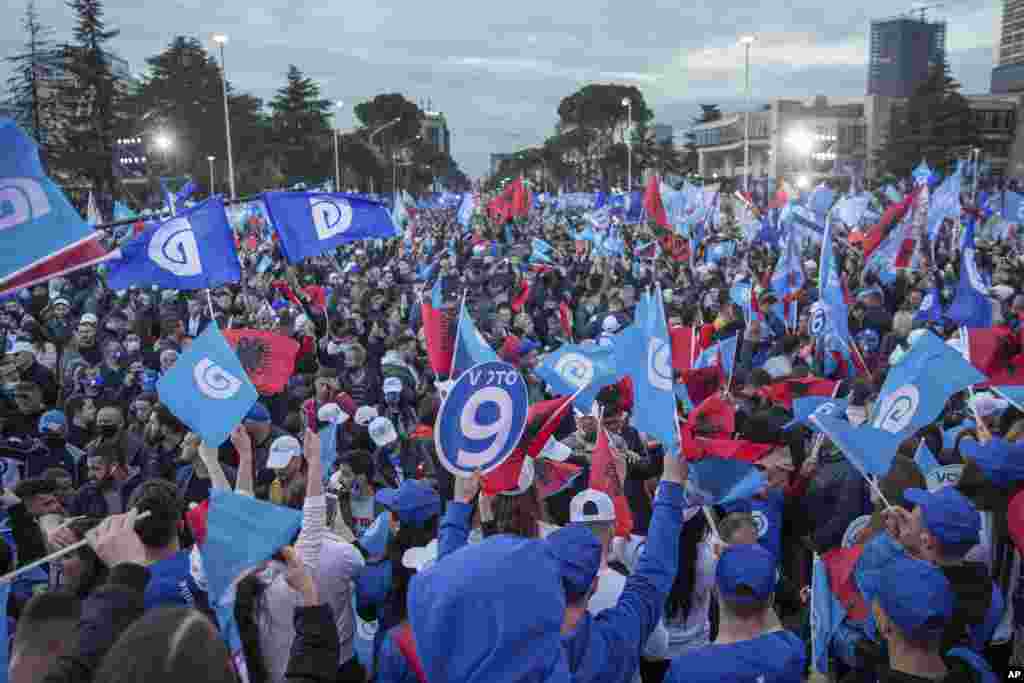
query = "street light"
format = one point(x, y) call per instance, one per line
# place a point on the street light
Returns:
point(746, 41)
point(339, 105)
point(222, 40)
point(803, 143)
point(211, 159)
point(164, 143)
point(380, 129)
point(628, 104)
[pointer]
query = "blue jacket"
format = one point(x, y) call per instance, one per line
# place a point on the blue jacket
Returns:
point(90, 501)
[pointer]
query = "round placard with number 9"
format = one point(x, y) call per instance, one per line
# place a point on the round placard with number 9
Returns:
point(482, 419)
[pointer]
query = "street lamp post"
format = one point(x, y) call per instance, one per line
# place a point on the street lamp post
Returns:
point(337, 164)
point(746, 41)
point(222, 40)
point(628, 104)
point(163, 143)
point(211, 159)
point(380, 129)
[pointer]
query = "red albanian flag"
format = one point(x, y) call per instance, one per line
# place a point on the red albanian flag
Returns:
point(268, 358)
point(607, 472)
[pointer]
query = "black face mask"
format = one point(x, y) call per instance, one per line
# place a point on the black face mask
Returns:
point(107, 431)
point(53, 440)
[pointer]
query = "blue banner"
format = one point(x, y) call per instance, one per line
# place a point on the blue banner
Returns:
point(311, 223)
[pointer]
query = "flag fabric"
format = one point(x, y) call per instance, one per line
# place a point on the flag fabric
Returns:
point(971, 306)
point(930, 310)
point(328, 449)
point(877, 232)
point(565, 319)
point(830, 316)
point(925, 459)
point(787, 391)
point(945, 203)
point(821, 200)
point(399, 214)
point(652, 203)
point(607, 471)
point(472, 349)
point(193, 250)
point(788, 279)
point(580, 366)
point(826, 615)
point(851, 209)
point(467, 208)
point(311, 223)
point(718, 481)
point(806, 406)
point(241, 533)
point(991, 350)
point(207, 388)
point(268, 358)
point(916, 389)
point(437, 328)
point(1013, 207)
point(92, 212)
point(721, 354)
point(869, 449)
point(644, 352)
point(682, 347)
point(552, 477)
point(41, 234)
point(1014, 394)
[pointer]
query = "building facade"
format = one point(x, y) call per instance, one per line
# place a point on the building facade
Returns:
point(902, 52)
point(1008, 74)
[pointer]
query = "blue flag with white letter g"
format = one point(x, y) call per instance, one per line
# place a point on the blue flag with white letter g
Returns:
point(193, 250)
point(311, 223)
point(208, 388)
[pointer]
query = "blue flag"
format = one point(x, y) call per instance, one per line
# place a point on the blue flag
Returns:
point(720, 353)
point(971, 307)
point(634, 207)
point(945, 203)
point(242, 532)
point(821, 201)
point(472, 348)
point(574, 366)
point(916, 389)
point(806, 406)
point(207, 388)
point(868, 449)
point(830, 315)
point(1013, 207)
point(328, 449)
point(930, 310)
point(925, 459)
point(193, 250)
point(375, 539)
point(826, 615)
point(466, 210)
point(312, 223)
point(787, 280)
point(1013, 394)
point(645, 353)
point(717, 481)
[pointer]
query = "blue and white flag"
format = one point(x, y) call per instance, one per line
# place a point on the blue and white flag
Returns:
point(328, 449)
point(830, 315)
point(827, 613)
point(925, 459)
point(720, 353)
point(720, 250)
point(971, 306)
point(312, 223)
point(207, 388)
point(1013, 207)
point(820, 201)
point(466, 210)
point(193, 250)
point(869, 449)
point(575, 366)
point(892, 194)
point(787, 279)
point(945, 203)
point(805, 406)
point(718, 481)
point(472, 348)
point(802, 220)
point(916, 389)
point(930, 310)
point(850, 210)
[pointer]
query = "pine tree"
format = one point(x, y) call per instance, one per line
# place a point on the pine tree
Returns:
point(935, 125)
point(301, 127)
point(30, 87)
point(90, 94)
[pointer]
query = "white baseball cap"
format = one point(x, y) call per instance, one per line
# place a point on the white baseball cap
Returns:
point(610, 324)
point(282, 450)
point(382, 431)
point(365, 415)
point(332, 413)
point(392, 385)
point(591, 505)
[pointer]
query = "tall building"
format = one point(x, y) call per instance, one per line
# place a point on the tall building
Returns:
point(1008, 74)
point(903, 50)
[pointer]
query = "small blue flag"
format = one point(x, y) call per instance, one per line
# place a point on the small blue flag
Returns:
point(930, 310)
point(574, 366)
point(242, 532)
point(720, 353)
point(207, 388)
point(1013, 211)
point(826, 615)
point(925, 459)
point(971, 308)
point(472, 348)
point(868, 449)
point(806, 406)
point(717, 481)
point(375, 539)
point(193, 250)
point(311, 223)
point(328, 449)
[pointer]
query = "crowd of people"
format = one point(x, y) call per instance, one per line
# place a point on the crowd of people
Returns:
point(404, 572)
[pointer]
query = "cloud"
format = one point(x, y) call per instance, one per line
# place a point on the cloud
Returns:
point(499, 75)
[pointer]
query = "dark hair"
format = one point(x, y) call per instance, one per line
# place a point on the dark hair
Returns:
point(73, 406)
point(28, 488)
point(427, 409)
point(407, 537)
point(111, 454)
point(167, 419)
point(94, 574)
point(168, 645)
point(679, 598)
point(517, 515)
point(160, 498)
point(48, 618)
point(248, 603)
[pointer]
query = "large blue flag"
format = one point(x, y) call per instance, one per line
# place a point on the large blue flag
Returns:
point(869, 449)
point(971, 307)
point(1013, 207)
point(472, 348)
point(826, 615)
point(930, 310)
point(820, 201)
point(717, 481)
point(242, 532)
point(575, 366)
point(466, 210)
point(830, 316)
point(645, 353)
point(916, 389)
point(207, 388)
point(193, 250)
point(634, 207)
point(787, 280)
point(311, 223)
point(945, 203)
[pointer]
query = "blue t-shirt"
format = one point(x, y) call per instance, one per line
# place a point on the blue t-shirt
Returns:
point(776, 657)
point(767, 514)
point(170, 583)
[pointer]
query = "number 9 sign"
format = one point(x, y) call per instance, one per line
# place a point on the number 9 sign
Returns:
point(482, 419)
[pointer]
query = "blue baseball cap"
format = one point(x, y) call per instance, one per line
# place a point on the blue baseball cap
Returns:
point(1000, 461)
point(746, 566)
point(52, 421)
point(258, 413)
point(948, 515)
point(917, 597)
point(578, 553)
point(413, 502)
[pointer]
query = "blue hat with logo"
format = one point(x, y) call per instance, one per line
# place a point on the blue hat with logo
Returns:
point(1001, 461)
point(949, 516)
point(414, 503)
point(578, 553)
point(916, 596)
point(52, 421)
point(258, 413)
point(746, 566)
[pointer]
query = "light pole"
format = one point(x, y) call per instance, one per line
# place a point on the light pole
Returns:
point(337, 165)
point(746, 41)
point(163, 143)
point(222, 40)
point(628, 104)
point(211, 159)
point(380, 129)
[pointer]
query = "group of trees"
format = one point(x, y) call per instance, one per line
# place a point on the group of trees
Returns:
point(76, 101)
point(591, 146)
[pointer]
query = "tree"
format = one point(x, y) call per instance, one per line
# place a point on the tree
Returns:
point(598, 109)
point(90, 95)
point(935, 125)
point(301, 130)
point(383, 109)
point(30, 86)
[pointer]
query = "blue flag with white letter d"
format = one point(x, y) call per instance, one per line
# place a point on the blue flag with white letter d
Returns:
point(310, 223)
point(207, 388)
point(193, 250)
